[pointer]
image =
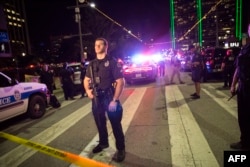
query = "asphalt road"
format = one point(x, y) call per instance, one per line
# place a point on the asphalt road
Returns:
point(163, 127)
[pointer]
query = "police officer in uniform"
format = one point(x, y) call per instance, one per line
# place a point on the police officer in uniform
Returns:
point(197, 69)
point(162, 68)
point(176, 69)
point(66, 78)
point(105, 76)
point(227, 67)
point(241, 79)
point(46, 77)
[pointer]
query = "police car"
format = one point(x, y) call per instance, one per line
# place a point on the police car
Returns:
point(18, 98)
point(140, 68)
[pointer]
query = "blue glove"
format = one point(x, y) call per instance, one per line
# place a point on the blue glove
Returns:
point(112, 106)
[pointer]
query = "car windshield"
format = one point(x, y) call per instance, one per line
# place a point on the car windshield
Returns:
point(76, 67)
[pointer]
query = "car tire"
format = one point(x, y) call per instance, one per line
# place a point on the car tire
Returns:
point(37, 107)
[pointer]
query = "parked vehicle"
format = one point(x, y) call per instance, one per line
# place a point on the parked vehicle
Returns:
point(142, 70)
point(19, 98)
point(77, 76)
point(213, 60)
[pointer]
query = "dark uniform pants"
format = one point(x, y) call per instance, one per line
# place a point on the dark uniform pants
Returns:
point(228, 76)
point(162, 70)
point(68, 90)
point(115, 120)
point(196, 74)
point(243, 99)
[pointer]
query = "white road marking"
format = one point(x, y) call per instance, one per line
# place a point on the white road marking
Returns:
point(22, 152)
point(189, 147)
point(129, 106)
point(229, 106)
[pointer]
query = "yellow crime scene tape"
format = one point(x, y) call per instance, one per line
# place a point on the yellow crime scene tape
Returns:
point(63, 155)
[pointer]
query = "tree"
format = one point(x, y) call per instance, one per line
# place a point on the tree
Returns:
point(100, 26)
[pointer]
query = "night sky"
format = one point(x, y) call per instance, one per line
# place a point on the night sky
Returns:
point(139, 15)
point(51, 17)
point(47, 18)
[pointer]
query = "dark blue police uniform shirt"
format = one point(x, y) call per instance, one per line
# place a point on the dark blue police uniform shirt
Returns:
point(107, 70)
point(197, 58)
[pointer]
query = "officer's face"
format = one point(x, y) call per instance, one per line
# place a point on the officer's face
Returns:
point(45, 67)
point(100, 47)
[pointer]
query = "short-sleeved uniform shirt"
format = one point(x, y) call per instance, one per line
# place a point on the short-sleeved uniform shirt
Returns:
point(243, 65)
point(197, 70)
point(66, 73)
point(105, 72)
point(197, 58)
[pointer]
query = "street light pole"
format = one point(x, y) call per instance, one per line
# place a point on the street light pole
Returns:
point(78, 19)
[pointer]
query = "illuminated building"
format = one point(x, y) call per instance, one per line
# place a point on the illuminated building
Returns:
point(14, 23)
point(206, 23)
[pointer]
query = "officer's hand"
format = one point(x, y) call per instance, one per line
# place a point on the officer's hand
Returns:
point(233, 90)
point(90, 94)
point(112, 106)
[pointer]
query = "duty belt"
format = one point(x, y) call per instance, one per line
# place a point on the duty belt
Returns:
point(108, 91)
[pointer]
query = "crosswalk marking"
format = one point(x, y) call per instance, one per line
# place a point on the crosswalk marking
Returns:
point(230, 107)
point(130, 106)
point(22, 153)
point(188, 145)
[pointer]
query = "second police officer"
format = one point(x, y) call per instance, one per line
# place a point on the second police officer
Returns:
point(66, 79)
point(227, 67)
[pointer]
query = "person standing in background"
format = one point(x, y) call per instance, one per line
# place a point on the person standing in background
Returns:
point(161, 68)
point(227, 68)
point(47, 78)
point(176, 63)
point(197, 70)
point(38, 68)
point(66, 79)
